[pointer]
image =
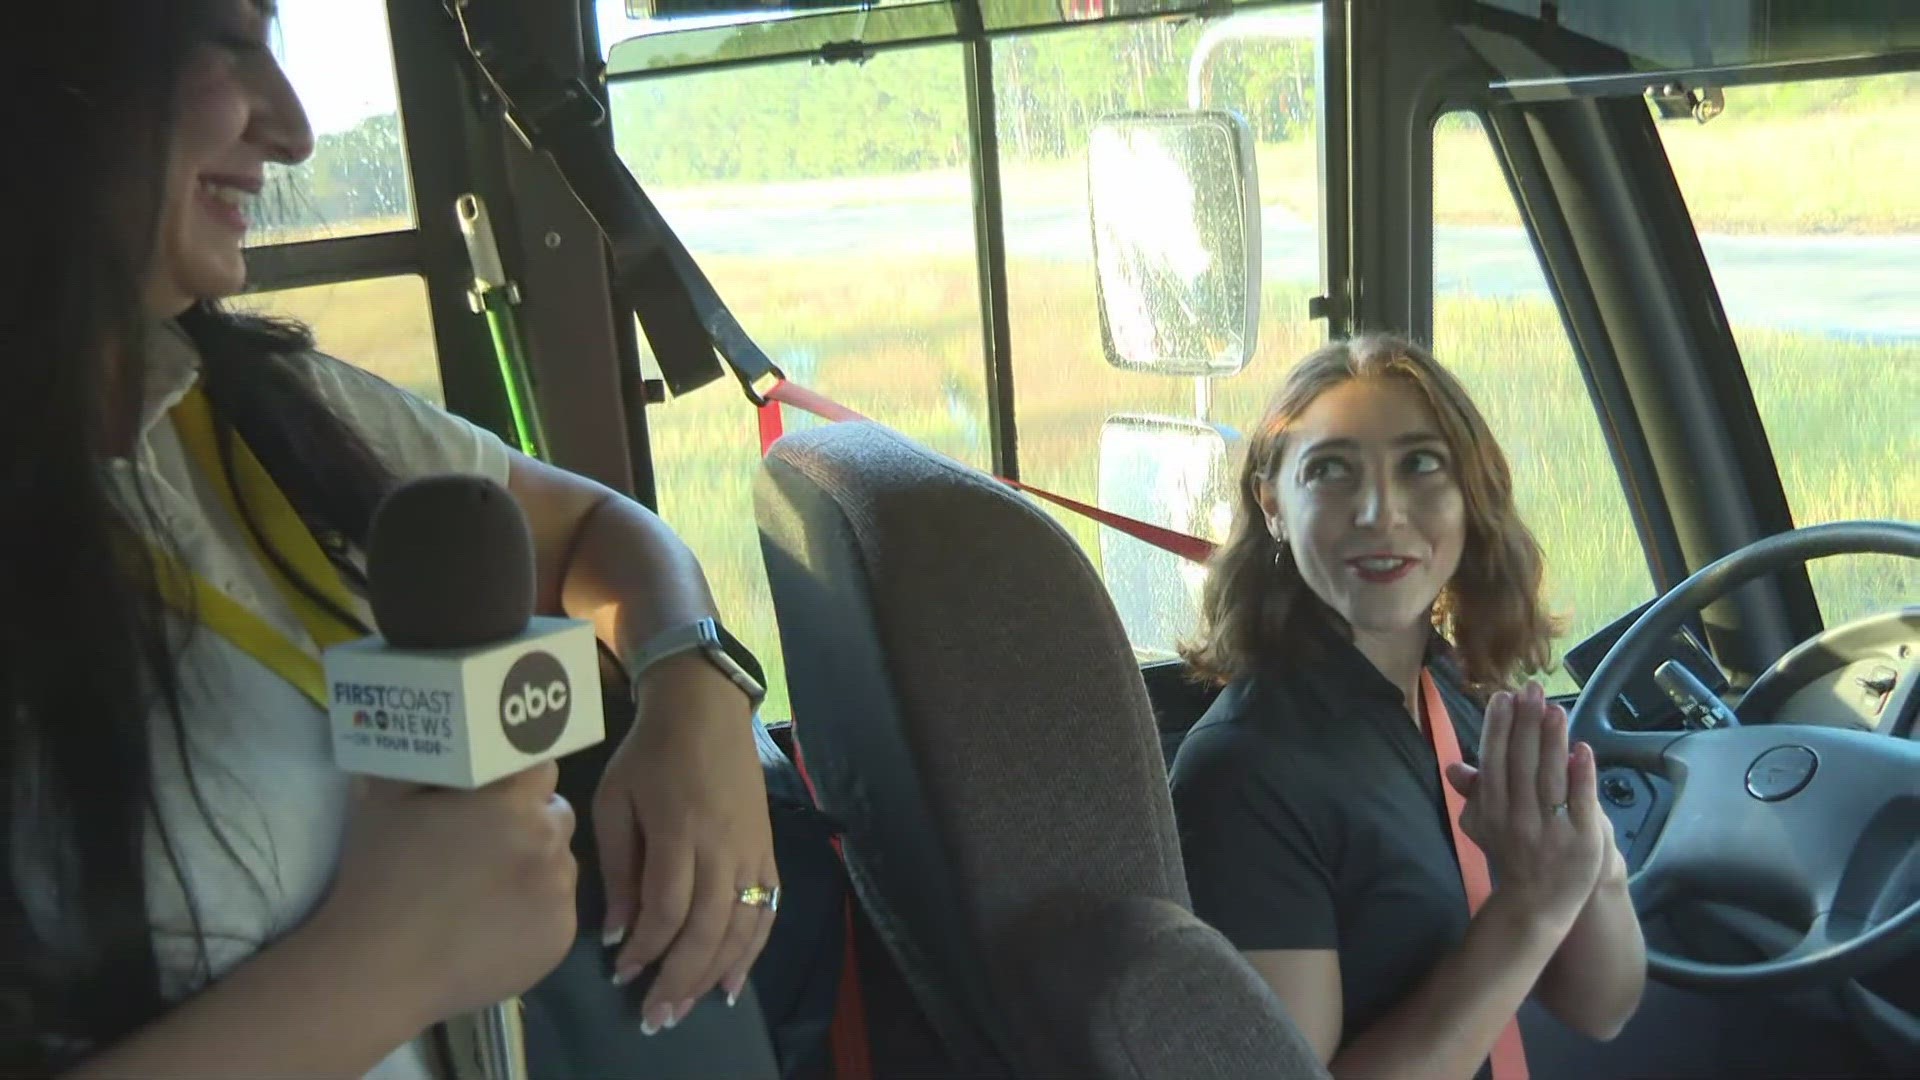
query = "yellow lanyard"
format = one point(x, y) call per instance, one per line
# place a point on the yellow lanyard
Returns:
point(282, 527)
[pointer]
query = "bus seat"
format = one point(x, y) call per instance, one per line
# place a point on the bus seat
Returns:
point(968, 708)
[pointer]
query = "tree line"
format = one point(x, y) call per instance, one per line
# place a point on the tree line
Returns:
point(904, 110)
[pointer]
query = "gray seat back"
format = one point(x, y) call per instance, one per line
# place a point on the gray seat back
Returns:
point(967, 705)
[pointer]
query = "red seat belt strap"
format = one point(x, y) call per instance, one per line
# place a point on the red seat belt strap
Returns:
point(784, 392)
point(847, 1036)
point(1509, 1054)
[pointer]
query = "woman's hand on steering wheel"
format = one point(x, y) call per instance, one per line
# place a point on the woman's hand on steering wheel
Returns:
point(1534, 808)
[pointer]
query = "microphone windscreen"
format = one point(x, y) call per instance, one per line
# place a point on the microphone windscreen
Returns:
point(450, 564)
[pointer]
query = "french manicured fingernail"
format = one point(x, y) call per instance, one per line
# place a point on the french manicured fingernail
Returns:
point(623, 976)
point(657, 1019)
point(612, 935)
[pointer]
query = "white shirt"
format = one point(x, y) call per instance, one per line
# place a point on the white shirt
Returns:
point(261, 750)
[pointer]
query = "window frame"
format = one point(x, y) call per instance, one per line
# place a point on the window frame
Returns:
point(1614, 233)
point(1626, 441)
point(1661, 367)
point(1627, 446)
point(334, 261)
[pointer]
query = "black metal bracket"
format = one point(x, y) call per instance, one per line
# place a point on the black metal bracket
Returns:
point(1677, 82)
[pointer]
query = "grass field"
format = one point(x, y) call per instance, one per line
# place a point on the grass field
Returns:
point(901, 342)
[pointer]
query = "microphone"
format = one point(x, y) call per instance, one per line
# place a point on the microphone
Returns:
point(462, 685)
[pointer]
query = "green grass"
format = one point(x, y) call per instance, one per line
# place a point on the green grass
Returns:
point(900, 340)
point(1836, 449)
point(1848, 172)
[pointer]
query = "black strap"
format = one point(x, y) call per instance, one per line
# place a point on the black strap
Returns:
point(683, 316)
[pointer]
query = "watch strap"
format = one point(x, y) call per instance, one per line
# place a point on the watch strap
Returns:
point(706, 636)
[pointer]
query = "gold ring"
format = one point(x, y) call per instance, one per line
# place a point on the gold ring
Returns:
point(761, 896)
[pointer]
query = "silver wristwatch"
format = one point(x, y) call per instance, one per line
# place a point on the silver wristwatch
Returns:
point(706, 636)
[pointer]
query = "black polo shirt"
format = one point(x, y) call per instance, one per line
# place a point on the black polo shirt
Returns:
point(1311, 817)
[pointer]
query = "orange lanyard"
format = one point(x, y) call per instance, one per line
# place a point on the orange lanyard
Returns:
point(298, 663)
point(1509, 1055)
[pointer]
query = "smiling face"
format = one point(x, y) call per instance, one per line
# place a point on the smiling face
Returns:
point(1367, 499)
point(236, 113)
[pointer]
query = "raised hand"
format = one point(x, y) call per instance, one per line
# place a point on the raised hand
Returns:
point(1534, 808)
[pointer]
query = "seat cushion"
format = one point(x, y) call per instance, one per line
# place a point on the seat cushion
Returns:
point(1132, 988)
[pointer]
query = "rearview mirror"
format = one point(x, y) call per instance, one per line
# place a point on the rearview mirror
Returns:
point(1175, 474)
point(1175, 202)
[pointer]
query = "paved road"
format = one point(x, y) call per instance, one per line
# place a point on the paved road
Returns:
point(1852, 286)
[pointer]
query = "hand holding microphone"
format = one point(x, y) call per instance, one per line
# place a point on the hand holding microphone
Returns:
point(467, 896)
point(455, 713)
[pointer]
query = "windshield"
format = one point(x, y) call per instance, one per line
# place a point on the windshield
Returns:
point(1804, 198)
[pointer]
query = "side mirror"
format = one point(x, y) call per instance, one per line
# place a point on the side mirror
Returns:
point(1175, 200)
point(1175, 474)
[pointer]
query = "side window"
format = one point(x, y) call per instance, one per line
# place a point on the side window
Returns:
point(1135, 441)
point(381, 324)
point(832, 208)
point(355, 184)
point(1804, 200)
point(1495, 325)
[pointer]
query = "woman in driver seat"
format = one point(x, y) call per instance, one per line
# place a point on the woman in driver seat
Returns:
point(1369, 616)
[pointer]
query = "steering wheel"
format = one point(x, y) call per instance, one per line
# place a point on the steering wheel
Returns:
point(1817, 821)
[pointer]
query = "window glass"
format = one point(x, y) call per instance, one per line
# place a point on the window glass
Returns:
point(381, 324)
point(1051, 90)
point(1496, 327)
point(356, 181)
point(1804, 199)
point(832, 207)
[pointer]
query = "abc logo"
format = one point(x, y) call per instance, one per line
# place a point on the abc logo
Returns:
point(535, 703)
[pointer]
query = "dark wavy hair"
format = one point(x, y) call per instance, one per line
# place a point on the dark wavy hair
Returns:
point(87, 652)
point(1492, 610)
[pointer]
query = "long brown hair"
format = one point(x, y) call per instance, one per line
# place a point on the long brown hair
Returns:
point(1491, 610)
point(78, 804)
